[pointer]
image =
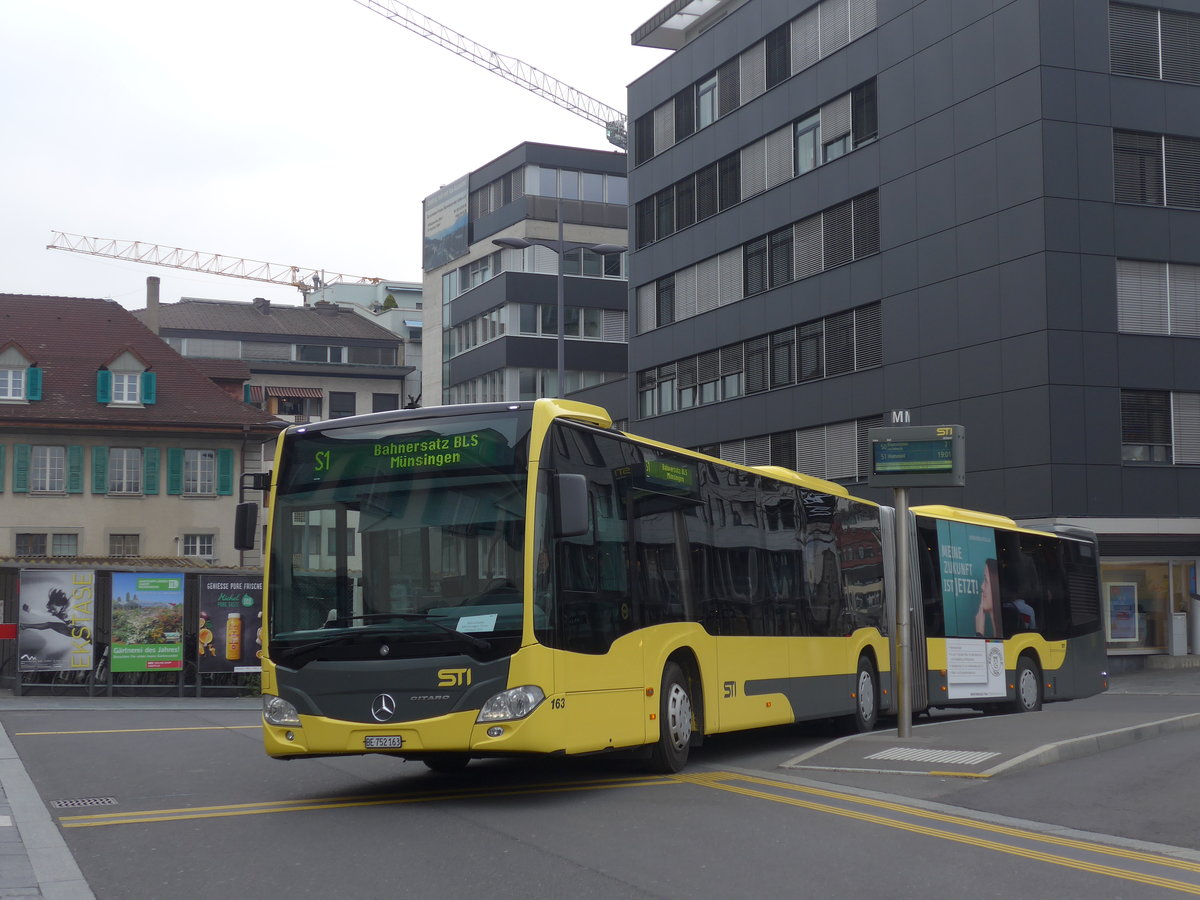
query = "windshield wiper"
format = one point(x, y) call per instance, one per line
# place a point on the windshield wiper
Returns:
point(480, 643)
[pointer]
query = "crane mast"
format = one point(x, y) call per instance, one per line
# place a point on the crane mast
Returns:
point(305, 280)
point(507, 67)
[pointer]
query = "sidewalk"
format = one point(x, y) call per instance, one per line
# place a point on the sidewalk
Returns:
point(1137, 706)
point(35, 861)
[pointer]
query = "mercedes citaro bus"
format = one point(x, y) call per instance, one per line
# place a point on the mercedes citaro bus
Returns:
point(509, 579)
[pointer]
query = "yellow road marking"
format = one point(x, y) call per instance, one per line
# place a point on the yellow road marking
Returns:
point(721, 781)
point(134, 730)
point(754, 787)
point(277, 806)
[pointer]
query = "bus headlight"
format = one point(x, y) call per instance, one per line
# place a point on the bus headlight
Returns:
point(516, 703)
point(277, 711)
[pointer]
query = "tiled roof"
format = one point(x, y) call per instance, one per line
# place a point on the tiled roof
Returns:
point(70, 338)
point(230, 317)
point(221, 368)
point(135, 563)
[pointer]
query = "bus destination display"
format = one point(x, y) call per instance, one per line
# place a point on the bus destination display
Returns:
point(422, 452)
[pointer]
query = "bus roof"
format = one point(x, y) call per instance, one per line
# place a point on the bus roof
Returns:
point(971, 516)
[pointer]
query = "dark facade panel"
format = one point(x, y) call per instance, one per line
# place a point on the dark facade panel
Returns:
point(528, 287)
point(540, 353)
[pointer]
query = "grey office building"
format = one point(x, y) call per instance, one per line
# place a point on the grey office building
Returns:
point(539, 227)
point(984, 212)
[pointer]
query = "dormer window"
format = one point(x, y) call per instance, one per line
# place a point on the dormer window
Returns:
point(12, 384)
point(126, 381)
point(20, 378)
point(125, 388)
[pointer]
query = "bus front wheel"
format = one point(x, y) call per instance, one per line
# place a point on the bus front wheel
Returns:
point(1028, 683)
point(670, 754)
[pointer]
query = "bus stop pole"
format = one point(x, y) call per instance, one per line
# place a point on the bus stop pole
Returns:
point(902, 668)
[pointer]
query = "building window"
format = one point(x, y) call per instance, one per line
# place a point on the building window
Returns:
point(808, 142)
point(124, 470)
point(319, 353)
point(1150, 43)
point(372, 356)
point(198, 545)
point(384, 402)
point(31, 544)
point(125, 388)
point(124, 545)
point(1146, 426)
point(200, 472)
point(64, 545)
point(341, 404)
point(12, 384)
point(706, 101)
point(331, 541)
point(48, 469)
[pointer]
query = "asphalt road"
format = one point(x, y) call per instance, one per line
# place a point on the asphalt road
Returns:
point(155, 802)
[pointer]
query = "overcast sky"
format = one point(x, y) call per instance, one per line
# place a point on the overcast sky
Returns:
point(304, 132)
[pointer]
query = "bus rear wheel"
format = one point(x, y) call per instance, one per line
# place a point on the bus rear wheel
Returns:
point(1028, 683)
point(866, 698)
point(670, 754)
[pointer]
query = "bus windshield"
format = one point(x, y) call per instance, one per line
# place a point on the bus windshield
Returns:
point(409, 531)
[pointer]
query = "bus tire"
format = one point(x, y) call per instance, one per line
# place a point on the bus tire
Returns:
point(1028, 685)
point(447, 763)
point(866, 697)
point(670, 754)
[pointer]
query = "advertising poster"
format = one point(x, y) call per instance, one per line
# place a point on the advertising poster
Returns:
point(55, 625)
point(1122, 610)
point(147, 621)
point(974, 669)
point(445, 235)
point(970, 580)
point(230, 633)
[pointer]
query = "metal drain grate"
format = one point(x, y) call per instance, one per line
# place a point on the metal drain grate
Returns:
point(909, 754)
point(83, 801)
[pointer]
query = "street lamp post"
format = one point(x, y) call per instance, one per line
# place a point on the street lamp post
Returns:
point(519, 243)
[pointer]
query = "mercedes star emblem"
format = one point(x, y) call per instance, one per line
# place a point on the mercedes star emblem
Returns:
point(383, 707)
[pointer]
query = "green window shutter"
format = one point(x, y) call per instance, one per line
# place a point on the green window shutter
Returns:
point(149, 470)
point(1, 467)
point(225, 472)
point(174, 471)
point(20, 468)
point(75, 469)
point(149, 387)
point(99, 470)
point(245, 393)
point(104, 386)
point(33, 383)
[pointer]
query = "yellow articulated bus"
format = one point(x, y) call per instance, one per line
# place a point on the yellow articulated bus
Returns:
point(509, 579)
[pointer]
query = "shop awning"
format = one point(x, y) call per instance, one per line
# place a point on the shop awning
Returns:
point(273, 391)
point(255, 394)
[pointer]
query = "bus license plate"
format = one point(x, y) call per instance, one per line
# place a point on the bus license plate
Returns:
point(384, 742)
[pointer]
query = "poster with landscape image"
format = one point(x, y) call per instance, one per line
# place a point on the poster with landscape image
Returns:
point(147, 621)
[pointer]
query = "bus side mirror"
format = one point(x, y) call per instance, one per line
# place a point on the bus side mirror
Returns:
point(245, 526)
point(572, 515)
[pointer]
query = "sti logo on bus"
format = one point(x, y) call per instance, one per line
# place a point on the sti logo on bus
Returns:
point(454, 677)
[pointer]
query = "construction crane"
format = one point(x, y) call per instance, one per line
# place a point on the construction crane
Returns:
point(507, 67)
point(305, 280)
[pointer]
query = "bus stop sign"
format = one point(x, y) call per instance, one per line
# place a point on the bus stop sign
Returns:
point(917, 456)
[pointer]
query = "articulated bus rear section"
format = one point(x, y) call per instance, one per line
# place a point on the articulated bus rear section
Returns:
point(1004, 618)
